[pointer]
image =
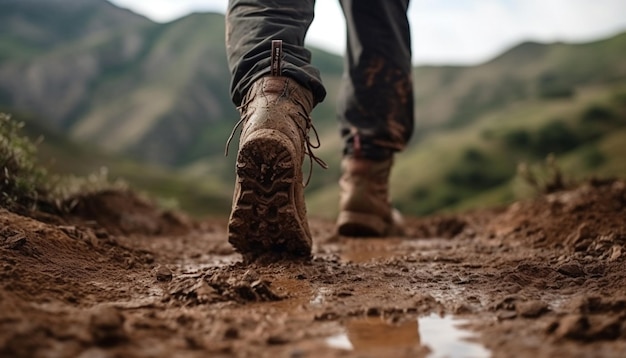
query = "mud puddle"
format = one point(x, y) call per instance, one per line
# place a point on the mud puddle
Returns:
point(372, 250)
point(447, 337)
point(436, 335)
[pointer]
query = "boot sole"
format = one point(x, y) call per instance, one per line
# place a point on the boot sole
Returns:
point(350, 223)
point(264, 220)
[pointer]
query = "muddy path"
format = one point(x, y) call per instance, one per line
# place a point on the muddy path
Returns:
point(118, 278)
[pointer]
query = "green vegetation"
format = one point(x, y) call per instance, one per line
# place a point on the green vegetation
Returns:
point(26, 183)
point(554, 86)
point(482, 168)
point(22, 180)
point(55, 169)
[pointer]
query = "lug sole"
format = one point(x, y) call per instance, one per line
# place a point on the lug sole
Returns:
point(264, 220)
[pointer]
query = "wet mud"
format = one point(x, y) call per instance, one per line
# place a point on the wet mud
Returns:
point(115, 277)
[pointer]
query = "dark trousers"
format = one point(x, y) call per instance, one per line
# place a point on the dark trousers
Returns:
point(376, 99)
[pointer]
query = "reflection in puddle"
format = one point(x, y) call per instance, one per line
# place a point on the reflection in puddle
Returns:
point(441, 335)
point(339, 341)
point(320, 296)
point(371, 333)
point(445, 339)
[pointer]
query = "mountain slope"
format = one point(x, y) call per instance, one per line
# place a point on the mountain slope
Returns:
point(454, 96)
point(29, 27)
point(176, 89)
point(123, 82)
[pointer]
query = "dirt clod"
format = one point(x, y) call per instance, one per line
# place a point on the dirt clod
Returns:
point(107, 326)
point(571, 270)
point(532, 309)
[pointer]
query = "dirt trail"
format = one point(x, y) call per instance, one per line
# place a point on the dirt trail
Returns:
point(118, 278)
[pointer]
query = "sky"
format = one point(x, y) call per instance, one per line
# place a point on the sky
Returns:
point(462, 32)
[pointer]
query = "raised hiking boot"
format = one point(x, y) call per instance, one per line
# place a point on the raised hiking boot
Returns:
point(364, 206)
point(268, 216)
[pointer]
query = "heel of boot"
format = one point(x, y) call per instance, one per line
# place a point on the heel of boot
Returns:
point(350, 223)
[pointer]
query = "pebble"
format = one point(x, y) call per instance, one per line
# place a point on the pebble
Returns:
point(571, 270)
point(616, 252)
point(163, 274)
point(532, 309)
point(504, 315)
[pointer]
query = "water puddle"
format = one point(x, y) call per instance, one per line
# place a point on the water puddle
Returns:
point(374, 334)
point(445, 337)
point(442, 336)
point(361, 251)
point(376, 250)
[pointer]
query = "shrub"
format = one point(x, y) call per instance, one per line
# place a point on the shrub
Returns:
point(553, 86)
point(597, 113)
point(22, 181)
point(517, 139)
point(554, 137)
point(473, 155)
point(545, 178)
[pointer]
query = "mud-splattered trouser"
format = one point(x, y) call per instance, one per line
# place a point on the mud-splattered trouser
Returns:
point(376, 100)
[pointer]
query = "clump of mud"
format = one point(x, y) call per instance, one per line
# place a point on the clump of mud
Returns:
point(220, 286)
point(123, 212)
point(589, 218)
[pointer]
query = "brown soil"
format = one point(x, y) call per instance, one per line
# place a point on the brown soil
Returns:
point(118, 278)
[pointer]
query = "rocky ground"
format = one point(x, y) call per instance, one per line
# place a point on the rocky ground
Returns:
point(115, 277)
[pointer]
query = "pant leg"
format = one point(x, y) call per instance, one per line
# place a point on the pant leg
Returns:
point(376, 100)
point(251, 25)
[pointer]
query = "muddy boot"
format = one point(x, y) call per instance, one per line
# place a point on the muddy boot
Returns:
point(364, 206)
point(268, 216)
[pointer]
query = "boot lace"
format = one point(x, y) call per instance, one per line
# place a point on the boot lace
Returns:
point(304, 130)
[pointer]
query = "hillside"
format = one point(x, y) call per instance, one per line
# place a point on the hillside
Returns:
point(129, 88)
point(525, 72)
point(32, 27)
point(158, 94)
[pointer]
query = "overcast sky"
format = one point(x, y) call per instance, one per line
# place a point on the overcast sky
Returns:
point(447, 31)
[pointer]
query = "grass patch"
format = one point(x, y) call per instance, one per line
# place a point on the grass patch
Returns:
point(22, 180)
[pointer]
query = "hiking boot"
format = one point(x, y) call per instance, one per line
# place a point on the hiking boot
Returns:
point(268, 216)
point(364, 206)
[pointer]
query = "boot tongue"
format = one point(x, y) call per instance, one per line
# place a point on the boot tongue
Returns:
point(275, 85)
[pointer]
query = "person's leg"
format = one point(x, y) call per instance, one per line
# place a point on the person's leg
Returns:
point(375, 112)
point(376, 101)
point(251, 25)
point(268, 216)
